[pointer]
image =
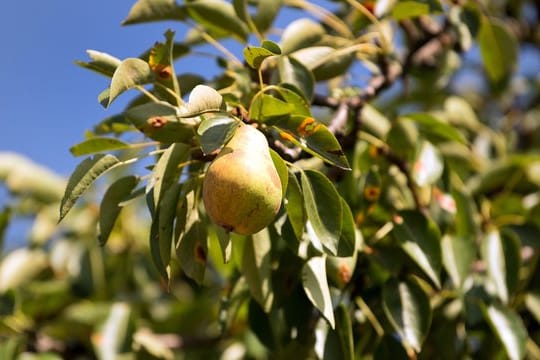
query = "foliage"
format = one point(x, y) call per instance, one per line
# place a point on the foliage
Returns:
point(410, 224)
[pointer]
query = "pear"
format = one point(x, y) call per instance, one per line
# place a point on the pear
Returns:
point(241, 189)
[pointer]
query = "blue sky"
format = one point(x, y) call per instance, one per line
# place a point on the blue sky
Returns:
point(46, 101)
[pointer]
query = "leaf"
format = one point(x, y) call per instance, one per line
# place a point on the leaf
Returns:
point(405, 9)
point(532, 302)
point(102, 63)
point(509, 329)
point(272, 46)
point(110, 205)
point(282, 170)
point(218, 17)
point(84, 175)
point(161, 61)
point(313, 137)
point(267, 12)
point(428, 165)
point(166, 216)
point(117, 329)
point(293, 97)
point(316, 287)
point(501, 254)
point(20, 266)
point(324, 61)
point(216, 131)
point(458, 254)
point(167, 170)
point(257, 268)
point(323, 209)
point(406, 306)
point(300, 34)
point(192, 251)
point(498, 49)
point(292, 71)
point(348, 240)
point(267, 108)
point(202, 99)
point(158, 121)
point(345, 332)
point(96, 145)
point(420, 239)
point(130, 73)
point(255, 55)
point(154, 10)
point(294, 206)
point(435, 129)
point(155, 246)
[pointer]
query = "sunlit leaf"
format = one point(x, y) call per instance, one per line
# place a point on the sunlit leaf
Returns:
point(316, 287)
point(407, 307)
point(83, 176)
point(532, 301)
point(325, 62)
point(282, 170)
point(132, 72)
point(313, 137)
point(266, 13)
point(110, 208)
point(202, 99)
point(97, 145)
point(21, 266)
point(292, 96)
point(114, 336)
point(257, 268)
point(405, 9)
point(102, 63)
point(434, 128)
point(192, 251)
point(501, 254)
point(428, 165)
point(167, 170)
point(266, 108)
point(161, 61)
point(509, 329)
point(294, 205)
point(420, 239)
point(255, 55)
point(323, 210)
point(216, 131)
point(152, 10)
point(301, 33)
point(458, 253)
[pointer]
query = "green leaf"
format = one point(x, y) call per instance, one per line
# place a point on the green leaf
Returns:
point(84, 175)
point(293, 97)
point(202, 99)
point(532, 302)
point(161, 61)
point(324, 61)
point(192, 251)
point(166, 215)
point(316, 287)
point(428, 165)
point(218, 17)
point(272, 46)
point(323, 210)
point(282, 170)
point(458, 254)
point(154, 10)
point(268, 108)
point(345, 332)
point(158, 121)
point(255, 55)
point(420, 239)
point(405, 9)
point(348, 240)
point(435, 129)
point(509, 328)
point(110, 208)
point(216, 131)
point(300, 34)
point(502, 257)
point(292, 71)
point(294, 205)
point(156, 250)
point(132, 72)
point(102, 63)
point(118, 329)
point(313, 137)
point(406, 306)
point(97, 145)
point(167, 170)
point(498, 48)
point(267, 12)
point(257, 268)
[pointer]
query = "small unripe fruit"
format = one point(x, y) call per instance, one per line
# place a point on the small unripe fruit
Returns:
point(241, 189)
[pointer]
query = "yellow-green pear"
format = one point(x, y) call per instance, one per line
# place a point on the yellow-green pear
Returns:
point(241, 188)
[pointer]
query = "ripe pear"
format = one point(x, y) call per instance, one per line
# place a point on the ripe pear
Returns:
point(241, 189)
